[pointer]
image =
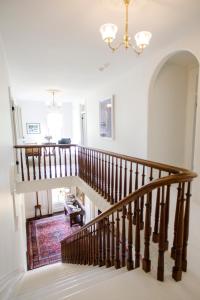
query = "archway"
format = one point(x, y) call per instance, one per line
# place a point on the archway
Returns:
point(172, 110)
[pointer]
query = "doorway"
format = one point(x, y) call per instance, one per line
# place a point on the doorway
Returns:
point(172, 110)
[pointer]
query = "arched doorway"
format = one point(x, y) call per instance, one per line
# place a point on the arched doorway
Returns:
point(172, 110)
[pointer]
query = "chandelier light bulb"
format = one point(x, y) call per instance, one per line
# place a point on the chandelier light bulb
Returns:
point(142, 39)
point(108, 32)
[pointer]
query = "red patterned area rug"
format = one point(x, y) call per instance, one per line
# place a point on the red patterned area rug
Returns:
point(43, 240)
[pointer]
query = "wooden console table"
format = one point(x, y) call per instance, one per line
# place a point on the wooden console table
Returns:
point(75, 212)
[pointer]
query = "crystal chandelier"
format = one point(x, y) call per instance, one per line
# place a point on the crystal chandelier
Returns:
point(109, 31)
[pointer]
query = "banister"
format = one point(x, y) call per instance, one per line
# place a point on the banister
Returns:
point(168, 180)
point(128, 184)
point(148, 163)
point(25, 146)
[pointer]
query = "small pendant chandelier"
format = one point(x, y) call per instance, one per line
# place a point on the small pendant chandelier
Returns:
point(54, 106)
point(109, 31)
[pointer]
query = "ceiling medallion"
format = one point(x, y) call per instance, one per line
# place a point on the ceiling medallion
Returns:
point(108, 32)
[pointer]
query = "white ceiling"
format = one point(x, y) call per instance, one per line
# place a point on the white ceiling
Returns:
point(56, 43)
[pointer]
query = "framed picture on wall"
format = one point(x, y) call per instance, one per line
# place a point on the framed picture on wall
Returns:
point(33, 128)
point(106, 117)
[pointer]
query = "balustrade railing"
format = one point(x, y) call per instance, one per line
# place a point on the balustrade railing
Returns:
point(140, 194)
point(36, 162)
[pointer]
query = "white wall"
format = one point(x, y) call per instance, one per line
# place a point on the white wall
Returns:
point(91, 210)
point(132, 100)
point(192, 86)
point(11, 212)
point(130, 116)
point(36, 112)
point(44, 198)
point(167, 115)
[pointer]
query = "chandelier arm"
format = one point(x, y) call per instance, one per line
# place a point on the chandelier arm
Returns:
point(114, 48)
point(136, 49)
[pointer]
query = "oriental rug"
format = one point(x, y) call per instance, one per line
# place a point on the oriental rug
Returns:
point(43, 239)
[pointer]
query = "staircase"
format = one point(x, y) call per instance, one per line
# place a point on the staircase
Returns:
point(150, 208)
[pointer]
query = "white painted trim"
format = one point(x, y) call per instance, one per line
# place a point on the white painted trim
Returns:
point(47, 184)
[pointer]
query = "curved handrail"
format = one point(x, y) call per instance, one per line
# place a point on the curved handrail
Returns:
point(164, 181)
point(148, 163)
point(115, 177)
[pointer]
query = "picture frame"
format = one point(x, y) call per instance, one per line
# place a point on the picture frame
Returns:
point(33, 128)
point(106, 117)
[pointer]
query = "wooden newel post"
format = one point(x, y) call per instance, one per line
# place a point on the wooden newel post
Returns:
point(146, 262)
point(100, 260)
point(177, 269)
point(162, 232)
point(186, 228)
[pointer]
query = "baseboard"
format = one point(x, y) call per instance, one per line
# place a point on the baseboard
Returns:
point(8, 283)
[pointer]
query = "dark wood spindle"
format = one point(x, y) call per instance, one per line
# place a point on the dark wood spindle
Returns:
point(102, 174)
point(160, 270)
point(75, 161)
point(142, 200)
point(177, 269)
point(104, 242)
point(131, 178)
point(136, 187)
point(27, 167)
point(117, 246)
point(108, 190)
point(155, 237)
point(96, 245)
point(50, 151)
point(105, 178)
point(45, 164)
point(125, 179)
point(116, 180)
point(100, 261)
point(167, 216)
point(146, 262)
point(65, 158)
point(39, 162)
point(123, 236)
point(113, 241)
point(112, 181)
point(186, 227)
point(130, 239)
point(55, 163)
point(173, 249)
point(120, 180)
point(137, 235)
point(70, 160)
point(33, 161)
point(60, 161)
point(108, 261)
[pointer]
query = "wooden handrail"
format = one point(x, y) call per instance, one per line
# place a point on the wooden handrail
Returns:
point(96, 242)
point(128, 184)
point(148, 163)
point(168, 180)
point(25, 146)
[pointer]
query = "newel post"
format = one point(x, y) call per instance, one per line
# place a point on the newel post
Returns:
point(177, 269)
point(186, 227)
